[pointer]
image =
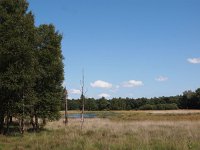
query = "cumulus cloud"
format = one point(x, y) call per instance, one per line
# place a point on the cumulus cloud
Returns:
point(194, 60)
point(132, 83)
point(115, 89)
point(161, 78)
point(101, 84)
point(104, 95)
point(75, 91)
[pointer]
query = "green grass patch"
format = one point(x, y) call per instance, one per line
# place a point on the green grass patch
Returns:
point(1, 146)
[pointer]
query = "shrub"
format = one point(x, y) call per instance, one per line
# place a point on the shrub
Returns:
point(172, 106)
point(147, 107)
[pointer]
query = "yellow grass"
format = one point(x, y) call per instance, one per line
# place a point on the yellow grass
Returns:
point(180, 111)
point(168, 115)
point(117, 134)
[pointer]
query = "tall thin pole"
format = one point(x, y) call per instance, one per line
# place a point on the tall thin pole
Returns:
point(82, 99)
point(22, 123)
point(66, 107)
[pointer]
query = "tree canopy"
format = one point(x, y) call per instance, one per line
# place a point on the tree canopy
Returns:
point(188, 100)
point(31, 67)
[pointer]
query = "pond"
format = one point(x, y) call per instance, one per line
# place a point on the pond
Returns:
point(86, 115)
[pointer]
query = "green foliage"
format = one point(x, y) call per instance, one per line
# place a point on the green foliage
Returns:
point(73, 105)
point(189, 100)
point(117, 104)
point(50, 72)
point(159, 107)
point(148, 107)
point(90, 104)
point(17, 57)
point(103, 104)
point(31, 67)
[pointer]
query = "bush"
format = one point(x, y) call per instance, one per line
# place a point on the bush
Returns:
point(172, 106)
point(147, 107)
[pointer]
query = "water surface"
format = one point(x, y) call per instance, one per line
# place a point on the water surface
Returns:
point(86, 115)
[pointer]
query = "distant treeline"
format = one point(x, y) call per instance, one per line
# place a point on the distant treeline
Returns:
point(188, 100)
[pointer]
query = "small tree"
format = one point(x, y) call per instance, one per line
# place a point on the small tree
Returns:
point(82, 99)
point(66, 105)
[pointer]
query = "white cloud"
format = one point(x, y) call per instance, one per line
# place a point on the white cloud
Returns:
point(161, 78)
point(104, 95)
point(194, 60)
point(132, 83)
point(101, 84)
point(75, 91)
point(115, 89)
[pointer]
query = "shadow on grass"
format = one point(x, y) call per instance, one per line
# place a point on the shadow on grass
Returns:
point(14, 130)
point(31, 130)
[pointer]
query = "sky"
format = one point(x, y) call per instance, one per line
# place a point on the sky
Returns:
point(127, 48)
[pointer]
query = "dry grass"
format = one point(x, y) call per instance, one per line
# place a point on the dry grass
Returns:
point(183, 111)
point(106, 134)
point(141, 115)
point(168, 115)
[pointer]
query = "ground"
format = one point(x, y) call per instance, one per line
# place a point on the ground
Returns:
point(116, 130)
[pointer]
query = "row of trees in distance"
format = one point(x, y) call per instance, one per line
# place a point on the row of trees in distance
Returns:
point(188, 100)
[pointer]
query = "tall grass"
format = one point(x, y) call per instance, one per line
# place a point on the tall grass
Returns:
point(105, 134)
point(125, 130)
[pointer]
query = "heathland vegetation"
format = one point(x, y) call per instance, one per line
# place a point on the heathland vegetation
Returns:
point(116, 130)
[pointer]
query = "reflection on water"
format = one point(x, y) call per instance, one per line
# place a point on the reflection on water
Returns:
point(89, 115)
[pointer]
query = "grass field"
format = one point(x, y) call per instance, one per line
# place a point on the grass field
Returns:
point(159, 115)
point(116, 130)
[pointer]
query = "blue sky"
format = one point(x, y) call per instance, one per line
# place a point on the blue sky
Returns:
point(128, 48)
